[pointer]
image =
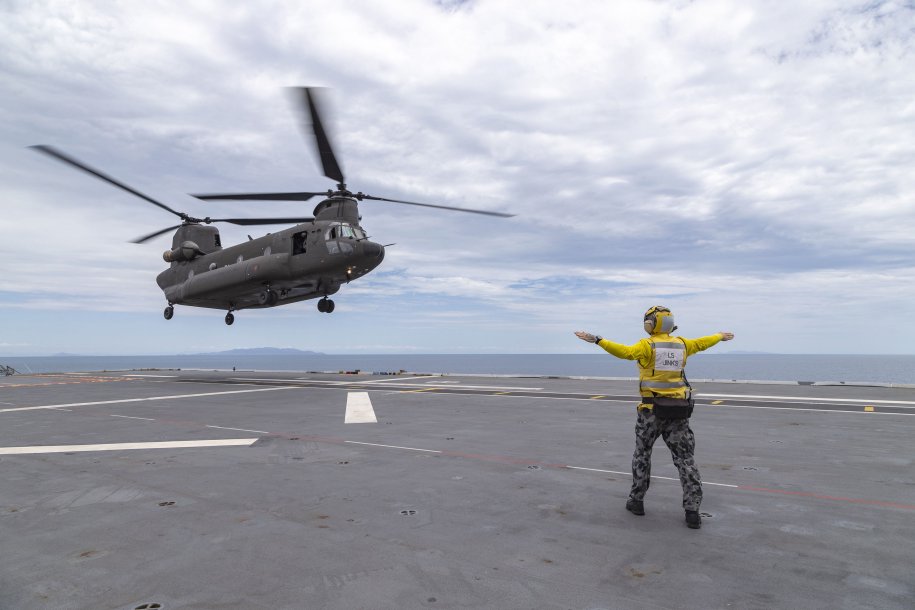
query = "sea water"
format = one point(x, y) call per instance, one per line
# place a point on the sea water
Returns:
point(761, 367)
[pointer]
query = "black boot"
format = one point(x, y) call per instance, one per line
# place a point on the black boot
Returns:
point(693, 520)
point(636, 507)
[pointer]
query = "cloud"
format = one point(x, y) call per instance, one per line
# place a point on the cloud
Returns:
point(729, 157)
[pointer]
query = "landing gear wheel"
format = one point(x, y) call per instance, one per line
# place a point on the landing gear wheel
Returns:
point(229, 318)
point(169, 312)
point(325, 305)
point(268, 297)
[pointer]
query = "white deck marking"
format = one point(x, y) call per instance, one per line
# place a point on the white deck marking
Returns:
point(227, 442)
point(403, 379)
point(629, 474)
point(163, 376)
point(126, 400)
point(240, 429)
point(394, 382)
point(633, 401)
point(131, 417)
point(812, 399)
point(392, 446)
point(359, 409)
point(816, 410)
point(305, 383)
point(481, 387)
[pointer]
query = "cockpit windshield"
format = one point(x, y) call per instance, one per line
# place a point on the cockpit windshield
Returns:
point(343, 231)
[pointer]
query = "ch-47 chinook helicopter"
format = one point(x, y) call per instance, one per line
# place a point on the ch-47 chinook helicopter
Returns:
point(310, 260)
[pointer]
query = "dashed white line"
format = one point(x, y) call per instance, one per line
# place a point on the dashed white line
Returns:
point(393, 447)
point(162, 376)
point(629, 474)
point(401, 379)
point(240, 429)
point(131, 417)
point(800, 410)
point(811, 399)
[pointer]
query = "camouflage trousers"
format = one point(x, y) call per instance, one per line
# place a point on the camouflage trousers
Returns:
point(681, 442)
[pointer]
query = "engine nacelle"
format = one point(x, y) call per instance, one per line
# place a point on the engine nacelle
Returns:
point(188, 250)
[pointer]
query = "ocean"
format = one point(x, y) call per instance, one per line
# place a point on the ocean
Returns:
point(758, 367)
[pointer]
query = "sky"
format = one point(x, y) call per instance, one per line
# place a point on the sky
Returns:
point(747, 164)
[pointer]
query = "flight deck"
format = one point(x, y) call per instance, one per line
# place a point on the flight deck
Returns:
point(252, 489)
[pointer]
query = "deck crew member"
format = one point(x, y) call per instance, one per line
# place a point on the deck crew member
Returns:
point(665, 407)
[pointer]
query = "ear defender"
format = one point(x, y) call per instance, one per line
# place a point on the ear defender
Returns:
point(666, 323)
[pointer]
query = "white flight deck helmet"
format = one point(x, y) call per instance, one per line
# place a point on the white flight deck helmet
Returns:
point(658, 320)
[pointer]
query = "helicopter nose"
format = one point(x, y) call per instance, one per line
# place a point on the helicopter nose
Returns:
point(373, 250)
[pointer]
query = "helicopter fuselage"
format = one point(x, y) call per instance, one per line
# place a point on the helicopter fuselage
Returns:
point(307, 261)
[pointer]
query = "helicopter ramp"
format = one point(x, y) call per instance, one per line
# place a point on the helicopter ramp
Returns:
point(193, 489)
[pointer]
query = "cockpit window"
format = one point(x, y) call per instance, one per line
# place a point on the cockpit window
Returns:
point(338, 231)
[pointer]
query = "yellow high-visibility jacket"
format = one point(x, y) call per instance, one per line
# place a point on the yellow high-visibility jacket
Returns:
point(661, 359)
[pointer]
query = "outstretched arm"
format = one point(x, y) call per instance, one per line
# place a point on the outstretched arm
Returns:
point(627, 352)
point(703, 343)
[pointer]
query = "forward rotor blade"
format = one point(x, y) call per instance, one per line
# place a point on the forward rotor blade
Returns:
point(52, 152)
point(261, 196)
point(146, 238)
point(262, 221)
point(308, 98)
point(440, 207)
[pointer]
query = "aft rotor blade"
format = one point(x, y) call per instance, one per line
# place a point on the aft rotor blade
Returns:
point(261, 196)
point(440, 207)
point(308, 98)
point(262, 221)
point(146, 238)
point(53, 152)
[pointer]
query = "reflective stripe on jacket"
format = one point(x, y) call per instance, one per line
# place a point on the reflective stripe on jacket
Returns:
point(664, 374)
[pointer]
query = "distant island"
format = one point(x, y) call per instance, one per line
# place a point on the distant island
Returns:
point(262, 351)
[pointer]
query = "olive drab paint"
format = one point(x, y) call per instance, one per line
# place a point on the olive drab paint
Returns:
point(310, 260)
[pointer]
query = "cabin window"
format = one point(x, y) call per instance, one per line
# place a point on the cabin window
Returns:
point(298, 242)
point(216, 240)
